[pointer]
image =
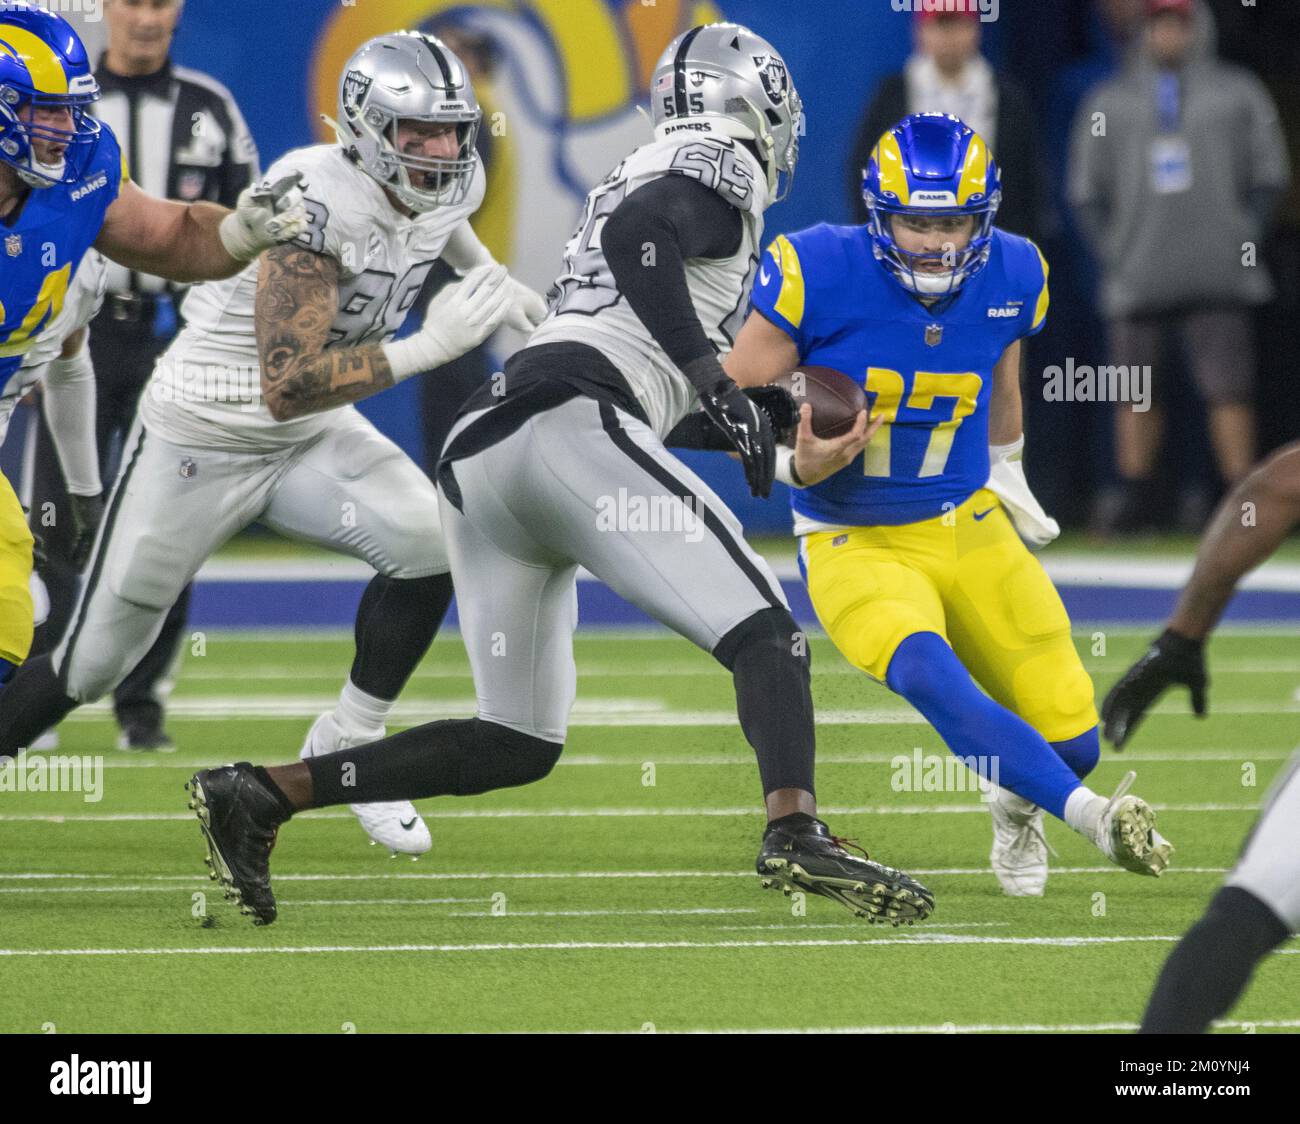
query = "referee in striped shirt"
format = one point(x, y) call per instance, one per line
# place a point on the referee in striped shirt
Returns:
point(184, 138)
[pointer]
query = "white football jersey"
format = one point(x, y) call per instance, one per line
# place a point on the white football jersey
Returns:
point(586, 306)
point(206, 389)
point(85, 295)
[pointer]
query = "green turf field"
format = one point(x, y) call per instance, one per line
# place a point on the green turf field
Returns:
point(617, 895)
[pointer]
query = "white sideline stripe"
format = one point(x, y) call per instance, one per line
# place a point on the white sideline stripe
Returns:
point(1081, 628)
point(1127, 571)
point(684, 669)
point(964, 1028)
point(486, 875)
point(581, 813)
point(588, 712)
point(1181, 757)
point(920, 938)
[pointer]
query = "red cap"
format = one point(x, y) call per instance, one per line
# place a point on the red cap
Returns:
point(1177, 7)
point(957, 9)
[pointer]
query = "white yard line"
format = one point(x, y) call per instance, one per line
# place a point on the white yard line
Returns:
point(920, 938)
point(611, 711)
point(970, 1028)
point(199, 878)
point(744, 759)
point(580, 813)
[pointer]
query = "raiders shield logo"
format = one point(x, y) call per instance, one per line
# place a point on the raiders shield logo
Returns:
point(356, 86)
point(933, 335)
point(776, 81)
point(189, 469)
point(14, 245)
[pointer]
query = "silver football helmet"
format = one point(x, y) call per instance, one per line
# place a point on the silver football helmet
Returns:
point(722, 78)
point(408, 76)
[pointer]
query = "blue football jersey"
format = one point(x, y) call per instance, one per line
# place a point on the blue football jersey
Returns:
point(929, 373)
point(43, 244)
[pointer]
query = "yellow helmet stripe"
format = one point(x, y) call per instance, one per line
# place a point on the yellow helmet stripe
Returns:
point(43, 64)
point(889, 159)
point(975, 172)
point(1040, 312)
point(791, 301)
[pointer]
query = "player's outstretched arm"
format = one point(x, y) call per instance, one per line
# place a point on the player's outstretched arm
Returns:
point(199, 241)
point(1248, 526)
point(297, 299)
point(1246, 529)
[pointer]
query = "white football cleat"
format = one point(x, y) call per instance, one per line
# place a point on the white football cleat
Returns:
point(394, 824)
point(1126, 833)
point(1019, 855)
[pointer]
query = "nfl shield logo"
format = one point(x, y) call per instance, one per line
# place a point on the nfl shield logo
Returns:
point(188, 468)
point(14, 245)
point(933, 335)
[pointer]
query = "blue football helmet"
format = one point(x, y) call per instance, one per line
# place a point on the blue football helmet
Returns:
point(931, 165)
point(43, 65)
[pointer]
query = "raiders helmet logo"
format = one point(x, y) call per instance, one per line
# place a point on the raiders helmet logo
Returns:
point(776, 81)
point(356, 86)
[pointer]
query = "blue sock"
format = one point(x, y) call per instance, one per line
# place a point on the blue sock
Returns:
point(928, 674)
point(1081, 753)
point(6, 670)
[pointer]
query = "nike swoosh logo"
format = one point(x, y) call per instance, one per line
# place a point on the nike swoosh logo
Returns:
point(764, 276)
point(980, 514)
point(409, 826)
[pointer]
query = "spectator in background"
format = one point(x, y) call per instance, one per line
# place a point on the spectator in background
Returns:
point(947, 74)
point(184, 138)
point(1176, 168)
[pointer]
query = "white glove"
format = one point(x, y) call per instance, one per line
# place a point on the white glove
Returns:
point(265, 214)
point(1007, 482)
point(460, 317)
point(527, 307)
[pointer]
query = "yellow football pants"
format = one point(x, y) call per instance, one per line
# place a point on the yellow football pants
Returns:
point(15, 577)
point(966, 576)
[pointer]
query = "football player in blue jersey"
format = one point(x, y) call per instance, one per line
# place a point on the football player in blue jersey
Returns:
point(64, 188)
point(909, 525)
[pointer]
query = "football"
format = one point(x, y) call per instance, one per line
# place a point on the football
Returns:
point(835, 398)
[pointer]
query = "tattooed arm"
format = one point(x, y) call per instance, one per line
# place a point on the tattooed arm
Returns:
point(297, 299)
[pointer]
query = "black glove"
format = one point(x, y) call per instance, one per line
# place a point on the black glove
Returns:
point(697, 431)
point(781, 410)
point(1171, 659)
point(749, 430)
point(87, 511)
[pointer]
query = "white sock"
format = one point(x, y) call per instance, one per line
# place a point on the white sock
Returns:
point(358, 713)
point(1083, 809)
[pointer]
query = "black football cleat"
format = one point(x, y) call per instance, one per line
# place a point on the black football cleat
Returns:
point(148, 737)
point(807, 857)
point(239, 818)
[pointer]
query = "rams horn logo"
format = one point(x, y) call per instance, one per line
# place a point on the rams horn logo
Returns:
point(776, 81)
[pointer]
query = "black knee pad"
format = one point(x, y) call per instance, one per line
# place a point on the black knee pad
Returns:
point(772, 629)
point(504, 758)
